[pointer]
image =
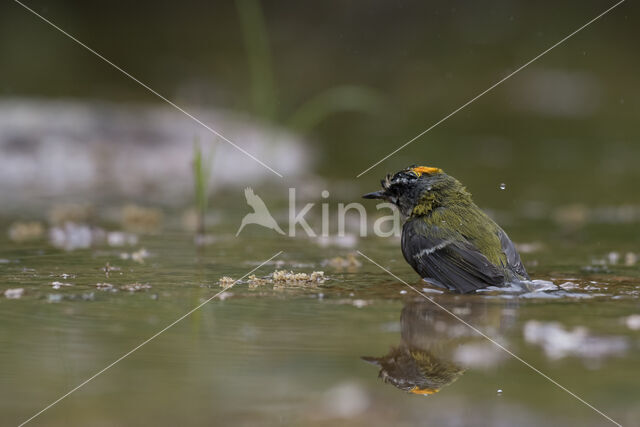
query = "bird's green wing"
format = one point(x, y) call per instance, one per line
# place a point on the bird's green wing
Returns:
point(445, 258)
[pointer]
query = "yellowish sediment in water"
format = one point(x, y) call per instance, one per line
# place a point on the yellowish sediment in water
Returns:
point(279, 279)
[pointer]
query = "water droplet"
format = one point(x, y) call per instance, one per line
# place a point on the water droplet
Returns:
point(503, 186)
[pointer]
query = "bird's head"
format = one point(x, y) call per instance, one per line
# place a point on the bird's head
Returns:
point(407, 187)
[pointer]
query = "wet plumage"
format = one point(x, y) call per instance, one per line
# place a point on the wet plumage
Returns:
point(446, 238)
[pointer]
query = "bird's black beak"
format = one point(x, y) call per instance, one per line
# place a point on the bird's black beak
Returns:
point(372, 360)
point(375, 195)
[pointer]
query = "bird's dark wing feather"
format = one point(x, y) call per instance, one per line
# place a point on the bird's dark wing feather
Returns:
point(513, 258)
point(447, 258)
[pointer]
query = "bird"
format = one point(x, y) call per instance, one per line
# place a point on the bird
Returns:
point(415, 370)
point(260, 215)
point(447, 239)
point(422, 363)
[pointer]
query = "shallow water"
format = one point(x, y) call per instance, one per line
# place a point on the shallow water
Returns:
point(293, 355)
point(553, 151)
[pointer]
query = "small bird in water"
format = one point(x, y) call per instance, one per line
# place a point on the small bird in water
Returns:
point(446, 238)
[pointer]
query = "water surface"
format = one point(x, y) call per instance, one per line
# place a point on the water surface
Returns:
point(293, 355)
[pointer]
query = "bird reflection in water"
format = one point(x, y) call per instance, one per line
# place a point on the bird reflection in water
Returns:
point(436, 349)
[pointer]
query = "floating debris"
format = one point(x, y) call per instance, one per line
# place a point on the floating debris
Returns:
point(349, 262)
point(104, 286)
point(279, 279)
point(14, 293)
point(317, 277)
point(226, 282)
point(141, 219)
point(20, 232)
point(255, 281)
point(630, 259)
point(135, 287)
point(60, 285)
point(284, 276)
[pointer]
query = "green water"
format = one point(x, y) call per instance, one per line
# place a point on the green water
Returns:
point(562, 135)
point(292, 355)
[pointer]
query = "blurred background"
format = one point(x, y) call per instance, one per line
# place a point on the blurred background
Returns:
point(320, 90)
point(103, 186)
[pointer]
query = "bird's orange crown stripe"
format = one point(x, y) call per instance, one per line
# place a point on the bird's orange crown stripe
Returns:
point(417, 390)
point(425, 169)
